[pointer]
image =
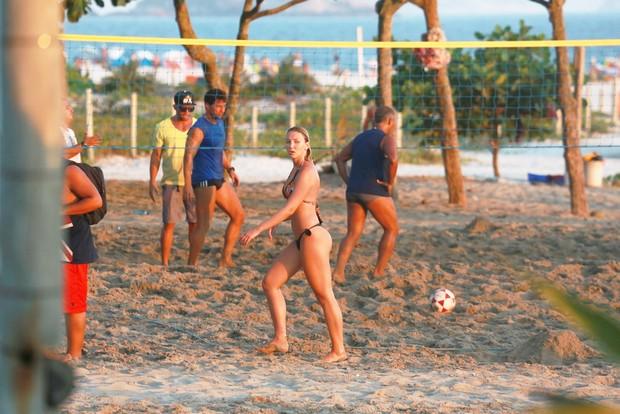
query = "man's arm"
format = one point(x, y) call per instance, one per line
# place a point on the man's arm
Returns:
point(390, 151)
point(91, 141)
point(230, 169)
point(87, 197)
point(153, 170)
point(191, 148)
point(341, 161)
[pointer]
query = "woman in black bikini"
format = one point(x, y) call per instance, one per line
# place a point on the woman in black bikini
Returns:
point(308, 252)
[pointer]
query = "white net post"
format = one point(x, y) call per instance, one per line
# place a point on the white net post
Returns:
point(399, 129)
point(328, 122)
point(363, 117)
point(615, 101)
point(292, 114)
point(360, 55)
point(90, 128)
point(254, 126)
point(558, 122)
point(133, 138)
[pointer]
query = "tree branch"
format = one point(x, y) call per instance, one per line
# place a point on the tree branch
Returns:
point(276, 10)
point(545, 3)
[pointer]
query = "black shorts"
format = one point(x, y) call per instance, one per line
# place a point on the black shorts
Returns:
point(363, 199)
point(217, 182)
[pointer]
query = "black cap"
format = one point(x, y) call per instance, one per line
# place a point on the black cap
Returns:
point(184, 98)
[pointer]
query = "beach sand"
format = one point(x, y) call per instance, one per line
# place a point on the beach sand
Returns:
point(183, 340)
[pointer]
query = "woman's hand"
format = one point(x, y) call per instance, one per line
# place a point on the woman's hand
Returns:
point(249, 236)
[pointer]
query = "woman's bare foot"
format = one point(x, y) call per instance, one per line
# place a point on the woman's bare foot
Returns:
point(338, 278)
point(333, 357)
point(274, 347)
point(226, 262)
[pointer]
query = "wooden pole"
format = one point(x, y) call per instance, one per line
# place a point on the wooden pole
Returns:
point(30, 188)
point(615, 102)
point(328, 122)
point(292, 114)
point(558, 123)
point(90, 128)
point(359, 33)
point(579, 64)
point(254, 126)
point(134, 125)
point(399, 129)
point(363, 118)
point(588, 121)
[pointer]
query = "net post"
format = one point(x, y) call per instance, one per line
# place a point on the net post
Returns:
point(399, 129)
point(588, 118)
point(558, 123)
point(328, 122)
point(363, 117)
point(359, 33)
point(254, 126)
point(292, 113)
point(134, 125)
point(615, 101)
point(90, 128)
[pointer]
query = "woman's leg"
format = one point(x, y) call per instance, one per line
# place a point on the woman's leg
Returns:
point(315, 263)
point(285, 266)
point(205, 208)
point(356, 215)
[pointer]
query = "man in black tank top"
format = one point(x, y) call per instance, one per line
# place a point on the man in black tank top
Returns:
point(369, 188)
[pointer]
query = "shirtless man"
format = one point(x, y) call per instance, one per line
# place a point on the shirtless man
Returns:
point(369, 186)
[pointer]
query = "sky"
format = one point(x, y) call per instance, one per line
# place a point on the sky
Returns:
point(363, 7)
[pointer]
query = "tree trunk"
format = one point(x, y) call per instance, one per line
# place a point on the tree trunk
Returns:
point(568, 104)
point(384, 56)
point(450, 142)
point(32, 77)
point(235, 80)
point(200, 54)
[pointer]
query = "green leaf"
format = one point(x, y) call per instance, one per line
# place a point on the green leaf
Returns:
point(599, 325)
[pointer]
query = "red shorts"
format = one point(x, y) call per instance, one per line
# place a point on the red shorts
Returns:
point(76, 287)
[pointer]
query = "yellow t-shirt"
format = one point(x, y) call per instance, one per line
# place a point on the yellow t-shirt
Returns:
point(172, 142)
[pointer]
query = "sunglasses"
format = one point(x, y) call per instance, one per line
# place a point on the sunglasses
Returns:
point(185, 108)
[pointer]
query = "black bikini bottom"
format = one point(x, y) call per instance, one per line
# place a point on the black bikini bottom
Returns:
point(306, 232)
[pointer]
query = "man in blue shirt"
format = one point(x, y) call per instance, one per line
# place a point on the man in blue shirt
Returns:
point(204, 164)
point(369, 188)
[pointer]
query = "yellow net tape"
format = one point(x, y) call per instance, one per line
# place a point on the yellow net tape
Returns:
point(337, 44)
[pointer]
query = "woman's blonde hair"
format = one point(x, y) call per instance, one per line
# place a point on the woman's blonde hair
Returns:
point(303, 131)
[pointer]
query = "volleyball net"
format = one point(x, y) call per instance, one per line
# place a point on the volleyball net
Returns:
point(502, 90)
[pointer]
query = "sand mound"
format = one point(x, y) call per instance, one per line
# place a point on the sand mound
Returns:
point(551, 347)
point(480, 225)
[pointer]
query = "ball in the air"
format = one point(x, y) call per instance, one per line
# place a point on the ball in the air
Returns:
point(442, 300)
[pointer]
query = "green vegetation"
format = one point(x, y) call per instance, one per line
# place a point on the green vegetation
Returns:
point(491, 87)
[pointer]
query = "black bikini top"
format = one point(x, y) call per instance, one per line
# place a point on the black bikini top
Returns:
point(287, 190)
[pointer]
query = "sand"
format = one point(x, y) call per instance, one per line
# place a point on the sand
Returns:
point(182, 340)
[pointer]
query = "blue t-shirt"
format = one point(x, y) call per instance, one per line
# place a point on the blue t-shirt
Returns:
point(368, 164)
point(208, 163)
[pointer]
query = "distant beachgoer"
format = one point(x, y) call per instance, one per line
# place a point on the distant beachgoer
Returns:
point(168, 143)
point(73, 148)
point(369, 188)
point(204, 164)
point(80, 196)
point(308, 252)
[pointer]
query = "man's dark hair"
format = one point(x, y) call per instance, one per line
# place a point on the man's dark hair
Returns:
point(213, 95)
point(384, 112)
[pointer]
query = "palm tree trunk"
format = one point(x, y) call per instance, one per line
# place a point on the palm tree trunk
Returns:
point(450, 142)
point(235, 80)
point(568, 104)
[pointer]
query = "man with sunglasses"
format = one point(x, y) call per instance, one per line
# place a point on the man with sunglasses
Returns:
point(168, 144)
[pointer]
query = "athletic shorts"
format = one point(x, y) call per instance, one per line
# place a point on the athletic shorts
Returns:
point(76, 287)
point(174, 207)
point(217, 182)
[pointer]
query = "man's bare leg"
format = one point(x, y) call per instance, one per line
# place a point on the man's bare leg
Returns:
point(384, 211)
point(205, 208)
point(226, 199)
point(75, 324)
point(167, 233)
point(356, 216)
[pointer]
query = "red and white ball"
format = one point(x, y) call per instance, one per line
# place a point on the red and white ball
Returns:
point(442, 300)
